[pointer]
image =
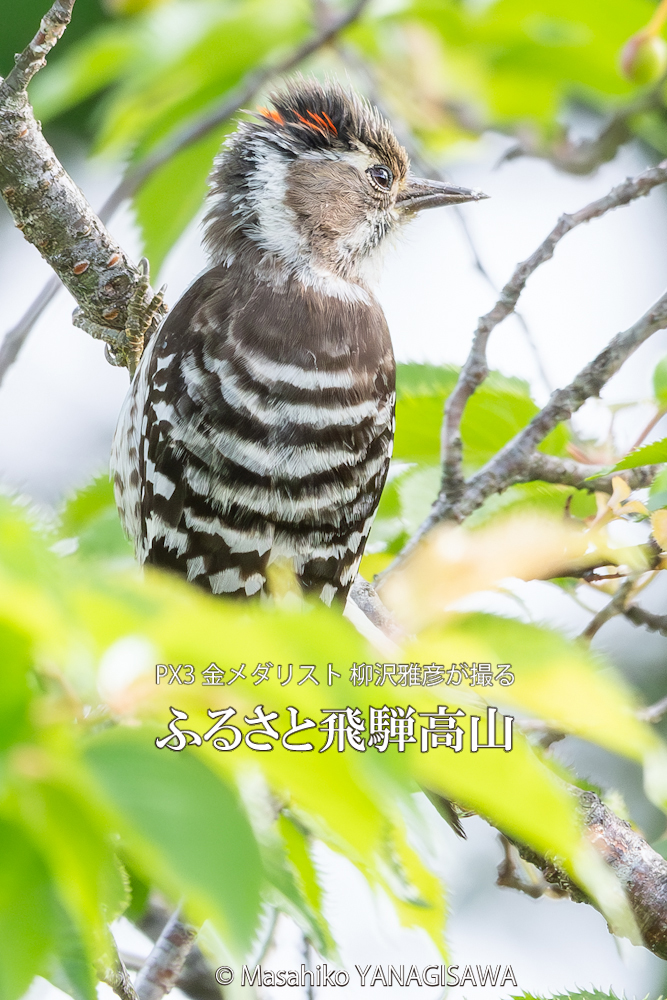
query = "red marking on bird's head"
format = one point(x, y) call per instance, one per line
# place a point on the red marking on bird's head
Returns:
point(273, 115)
point(320, 123)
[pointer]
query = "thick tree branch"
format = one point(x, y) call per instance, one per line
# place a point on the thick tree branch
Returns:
point(476, 369)
point(164, 964)
point(74, 236)
point(54, 215)
point(641, 870)
point(33, 57)
point(197, 978)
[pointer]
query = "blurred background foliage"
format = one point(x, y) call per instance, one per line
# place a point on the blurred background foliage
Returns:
point(91, 815)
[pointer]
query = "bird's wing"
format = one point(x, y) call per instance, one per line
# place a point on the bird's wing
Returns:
point(265, 431)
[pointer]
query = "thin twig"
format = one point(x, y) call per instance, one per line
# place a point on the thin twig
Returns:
point(655, 712)
point(165, 962)
point(119, 981)
point(612, 608)
point(584, 156)
point(639, 616)
point(515, 873)
point(475, 369)
point(655, 419)
point(14, 339)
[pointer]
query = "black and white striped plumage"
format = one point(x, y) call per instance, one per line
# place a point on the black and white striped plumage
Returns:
point(259, 425)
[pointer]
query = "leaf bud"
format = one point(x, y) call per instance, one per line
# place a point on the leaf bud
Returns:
point(644, 58)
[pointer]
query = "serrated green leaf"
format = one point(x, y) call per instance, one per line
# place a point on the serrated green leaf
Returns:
point(291, 871)
point(184, 827)
point(648, 454)
point(86, 505)
point(72, 838)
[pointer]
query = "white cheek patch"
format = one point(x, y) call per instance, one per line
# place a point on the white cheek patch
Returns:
point(276, 230)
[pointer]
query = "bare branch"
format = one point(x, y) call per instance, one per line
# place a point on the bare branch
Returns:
point(33, 57)
point(586, 155)
point(654, 623)
point(655, 712)
point(133, 180)
point(641, 870)
point(550, 469)
point(476, 369)
point(119, 981)
point(51, 211)
point(164, 964)
point(367, 600)
point(197, 979)
point(15, 338)
point(612, 608)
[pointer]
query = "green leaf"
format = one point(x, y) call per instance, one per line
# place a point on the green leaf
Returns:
point(86, 505)
point(88, 67)
point(27, 912)
point(185, 78)
point(534, 498)
point(92, 518)
point(184, 827)
point(660, 382)
point(547, 669)
point(648, 454)
point(576, 995)
point(71, 835)
point(70, 968)
point(15, 687)
point(292, 874)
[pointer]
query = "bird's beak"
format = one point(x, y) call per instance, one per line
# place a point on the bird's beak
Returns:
point(421, 193)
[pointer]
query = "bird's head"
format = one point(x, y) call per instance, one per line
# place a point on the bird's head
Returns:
point(315, 184)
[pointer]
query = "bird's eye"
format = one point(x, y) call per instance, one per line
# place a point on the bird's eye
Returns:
point(381, 176)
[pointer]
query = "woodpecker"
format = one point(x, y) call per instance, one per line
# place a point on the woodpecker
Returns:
point(260, 422)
